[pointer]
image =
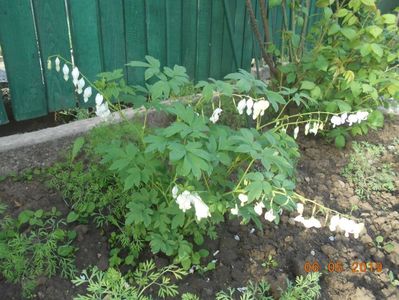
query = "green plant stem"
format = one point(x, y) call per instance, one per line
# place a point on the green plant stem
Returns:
point(245, 173)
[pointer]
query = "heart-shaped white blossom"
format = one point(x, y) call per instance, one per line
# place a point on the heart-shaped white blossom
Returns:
point(87, 94)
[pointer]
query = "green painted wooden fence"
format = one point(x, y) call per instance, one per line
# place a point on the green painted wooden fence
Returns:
point(209, 37)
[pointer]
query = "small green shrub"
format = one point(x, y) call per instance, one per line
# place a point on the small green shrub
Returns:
point(366, 171)
point(305, 288)
point(33, 245)
point(134, 286)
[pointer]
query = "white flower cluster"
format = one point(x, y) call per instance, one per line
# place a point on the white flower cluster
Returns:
point(351, 119)
point(255, 109)
point(308, 223)
point(269, 215)
point(186, 199)
point(346, 225)
point(102, 109)
point(215, 115)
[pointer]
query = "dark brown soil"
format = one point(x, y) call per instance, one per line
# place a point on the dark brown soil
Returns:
point(240, 259)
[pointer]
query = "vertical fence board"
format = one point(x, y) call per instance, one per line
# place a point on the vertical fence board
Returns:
point(173, 32)
point(203, 39)
point(21, 58)
point(86, 39)
point(239, 27)
point(156, 29)
point(189, 36)
point(247, 44)
point(227, 60)
point(216, 38)
point(3, 113)
point(136, 38)
point(53, 38)
point(112, 34)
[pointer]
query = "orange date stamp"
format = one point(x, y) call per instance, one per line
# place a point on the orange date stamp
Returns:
point(338, 267)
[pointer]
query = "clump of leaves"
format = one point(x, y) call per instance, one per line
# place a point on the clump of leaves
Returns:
point(305, 288)
point(135, 286)
point(33, 245)
point(366, 171)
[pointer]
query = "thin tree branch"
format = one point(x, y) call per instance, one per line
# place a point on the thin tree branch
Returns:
point(269, 61)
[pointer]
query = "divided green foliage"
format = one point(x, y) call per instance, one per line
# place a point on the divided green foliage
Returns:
point(134, 286)
point(33, 245)
point(305, 288)
point(367, 172)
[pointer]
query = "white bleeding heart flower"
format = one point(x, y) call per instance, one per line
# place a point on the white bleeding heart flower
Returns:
point(307, 126)
point(49, 64)
point(75, 76)
point(81, 85)
point(65, 70)
point(234, 211)
point(269, 215)
point(57, 64)
point(241, 106)
point(250, 104)
point(99, 99)
point(299, 219)
point(259, 208)
point(344, 116)
point(243, 198)
point(175, 191)
point(296, 131)
point(87, 94)
point(336, 121)
point(312, 222)
point(352, 119)
point(215, 115)
point(259, 108)
point(334, 221)
point(299, 208)
point(201, 209)
point(184, 201)
point(102, 110)
point(314, 128)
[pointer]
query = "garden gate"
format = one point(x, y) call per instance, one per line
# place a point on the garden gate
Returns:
point(209, 37)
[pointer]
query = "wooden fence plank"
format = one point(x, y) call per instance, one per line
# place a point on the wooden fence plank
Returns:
point(247, 44)
point(239, 27)
point(112, 34)
point(53, 38)
point(3, 113)
point(227, 60)
point(21, 59)
point(156, 29)
point(174, 32)
point(189, 36)
point(216, 39)
point(203, 39)
point(86, 40)
point(136, 38)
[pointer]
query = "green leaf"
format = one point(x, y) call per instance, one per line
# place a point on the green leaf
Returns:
point(374, 30)
point(389, 19)
point(77, 146)
point(368, 2)
point(376, 48)
point(307, 85)
point(72, 217)
point(178, 220)
point(343, 106)
point(65, 250)
point(349, 33)
point(334, 29)
point(25, 216)
point(342, 12)
point(324, 3)
point(376, 119)
point(389, 247)
point(340, 141)
point(379, 239)
point(139, 64)
point(203, 253)
point(273, 3)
